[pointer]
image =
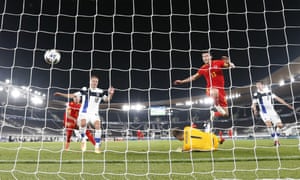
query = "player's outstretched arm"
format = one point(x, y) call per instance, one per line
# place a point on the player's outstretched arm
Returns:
point(111, 92)
point(284, 102)
point(189, 79)
point(253, 107)
point(64, 95)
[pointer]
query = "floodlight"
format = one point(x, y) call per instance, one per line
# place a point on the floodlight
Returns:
point(125, 107)
point(281, 83)
point(15, 93)
point(36, 100)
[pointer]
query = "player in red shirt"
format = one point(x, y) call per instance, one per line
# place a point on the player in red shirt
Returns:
point(70, 121)
point(213, 74)
point(139, 134)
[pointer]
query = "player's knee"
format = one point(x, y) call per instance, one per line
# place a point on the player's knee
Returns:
point(268, 124)
point(226, 114)
point(83, 121)
point(279, 125)
point(214, 93)
point(97, 124)
point(71, 126)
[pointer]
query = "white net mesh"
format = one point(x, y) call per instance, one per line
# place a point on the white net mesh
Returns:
point(140, 48)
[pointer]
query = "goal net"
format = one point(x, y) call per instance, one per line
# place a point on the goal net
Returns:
point(140, 48)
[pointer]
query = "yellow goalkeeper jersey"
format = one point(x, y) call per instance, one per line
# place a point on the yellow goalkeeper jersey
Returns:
point(197, 140)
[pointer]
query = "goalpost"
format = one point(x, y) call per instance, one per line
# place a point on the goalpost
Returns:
point(140, 47)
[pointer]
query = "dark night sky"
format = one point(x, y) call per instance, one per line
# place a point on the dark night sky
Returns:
point(141, 46)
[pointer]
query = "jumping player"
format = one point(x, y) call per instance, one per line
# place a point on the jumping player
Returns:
point(70, 121)
point(264, 98)
point(213, 74)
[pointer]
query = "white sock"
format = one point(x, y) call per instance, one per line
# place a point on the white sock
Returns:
point(98, 137)
point(82, 131)
point(208, 127)
point(221, 110)
point(277, 129)
point(270, 130)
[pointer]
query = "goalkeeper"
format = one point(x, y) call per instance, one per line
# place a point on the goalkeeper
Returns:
point(196, 140)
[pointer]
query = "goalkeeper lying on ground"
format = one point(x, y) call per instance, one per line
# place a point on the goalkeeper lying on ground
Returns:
point(196, 140)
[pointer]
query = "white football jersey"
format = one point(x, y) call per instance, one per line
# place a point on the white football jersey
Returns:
point(90, 99)
point(264, 99)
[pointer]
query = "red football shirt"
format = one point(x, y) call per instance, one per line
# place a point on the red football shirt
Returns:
point(73, 110)
point(213, 73)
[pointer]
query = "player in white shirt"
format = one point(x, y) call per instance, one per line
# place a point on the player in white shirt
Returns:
point(264, 99)
point(89, 110)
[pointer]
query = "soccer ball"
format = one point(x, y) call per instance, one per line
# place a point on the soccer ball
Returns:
point(52, 56)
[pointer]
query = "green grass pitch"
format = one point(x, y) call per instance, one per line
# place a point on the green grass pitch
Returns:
point(150, 159)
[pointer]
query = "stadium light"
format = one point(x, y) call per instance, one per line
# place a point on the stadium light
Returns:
point(292, 79)
point(208, 100)
point(179, 104)
point(233, 96)
point(36, 100)
point(189, 103)
point(22, 93)
point(15, 93)
point(135, 107)
point(281, 83)
point(125, 107)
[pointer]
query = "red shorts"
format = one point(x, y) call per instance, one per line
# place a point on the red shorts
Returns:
point(222, 101)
